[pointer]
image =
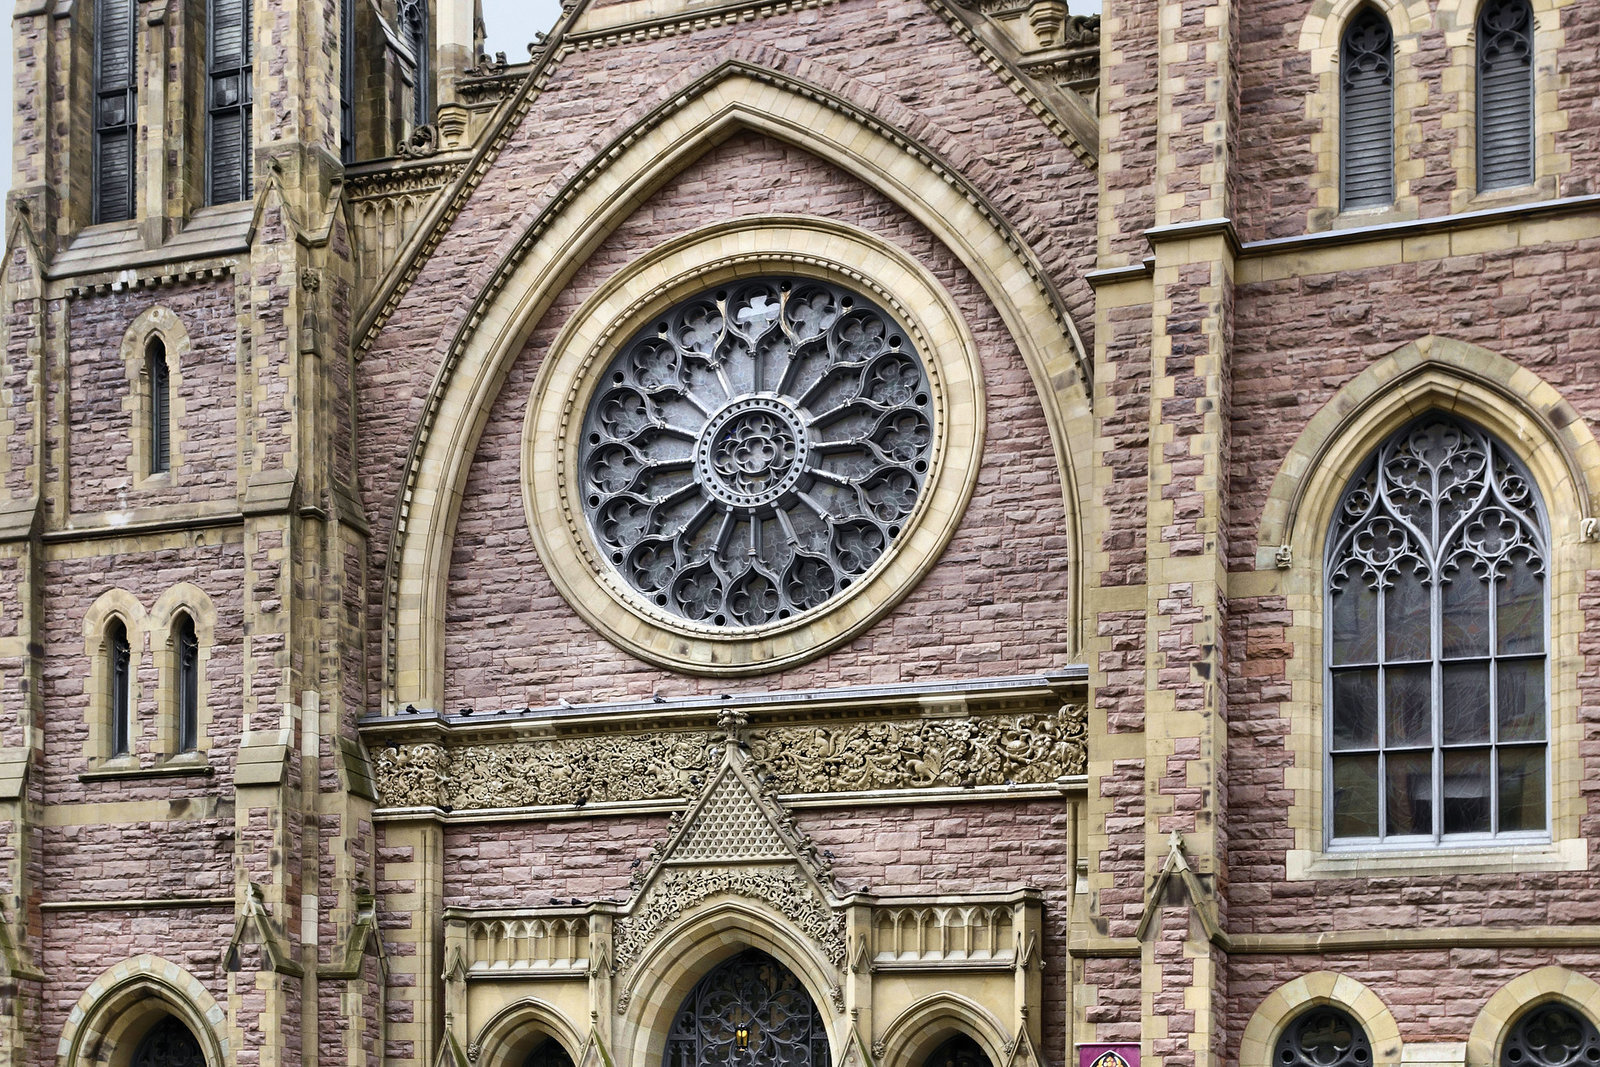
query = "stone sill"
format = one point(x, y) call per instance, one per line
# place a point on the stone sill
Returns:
point(170, 768)
point(1571, 854)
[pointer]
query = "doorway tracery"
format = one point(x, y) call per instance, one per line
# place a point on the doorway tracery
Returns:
point(749, 1010)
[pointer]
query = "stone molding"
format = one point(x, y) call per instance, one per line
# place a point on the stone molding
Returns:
point(902, 755)
point(1508, 1003)
point(1308, 990)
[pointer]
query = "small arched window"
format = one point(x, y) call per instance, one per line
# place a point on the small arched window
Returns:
point(160, 378)
point(1552, 1034)
point(1505, 94)
point(187, 652)
point(1366, 112)
point(119, 671)
point(1436, 643)
point(115, 108)
point(1323, 1036)
point(168, 1044)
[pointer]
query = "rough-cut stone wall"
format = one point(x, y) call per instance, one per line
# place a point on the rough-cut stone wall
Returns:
point(204, 394)
point(994, 604)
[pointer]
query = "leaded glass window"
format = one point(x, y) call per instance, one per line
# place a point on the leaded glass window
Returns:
point(1552, 1034)
point(169, 1044)
point(1366, 112)
point(1436, 643)
point(748, 1010)
point(1323, 1036)
point(756, 450)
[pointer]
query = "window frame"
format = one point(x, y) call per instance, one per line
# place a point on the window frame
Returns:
point(158, 375)
point(119, 680)
point(130, 127)
point(1531, 140)
point(186, 682)
point(1539, 514)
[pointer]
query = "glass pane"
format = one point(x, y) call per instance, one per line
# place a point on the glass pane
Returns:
point(1410, 793)
point(1522, 791)
point(1406, 618)
point(1408, 692)
point(1465, 703)
point(1355, 622)
point(1519, 603)
point(1521, 692)
point(1355, 796)
point(1355, 709)
point(1466, 791)
point(1464, 615)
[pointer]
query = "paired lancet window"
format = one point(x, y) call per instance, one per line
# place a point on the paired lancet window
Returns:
point(1505, 94)
point(228, 76)
point(1437, 644)
point(115, 108)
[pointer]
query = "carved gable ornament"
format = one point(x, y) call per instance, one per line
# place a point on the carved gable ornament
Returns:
point(734, 839)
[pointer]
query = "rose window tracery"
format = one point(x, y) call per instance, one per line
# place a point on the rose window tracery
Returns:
point(756, 449)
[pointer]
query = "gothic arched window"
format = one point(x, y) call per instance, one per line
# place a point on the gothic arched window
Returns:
point(1323, 1036)
point(169, 1044)
point(1366, 112)
point(749, 1009)
point(115, 108)
point(119, 670)
point(186, 649)
point(414, 30)
point(159, 376)
point(1436, 643)
point(1552, 1034)
point(1505, 94)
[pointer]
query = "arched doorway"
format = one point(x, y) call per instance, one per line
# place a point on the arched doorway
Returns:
point(548, 1053)
point(168, 1044)
point(959, 1051)
point(749, 1011)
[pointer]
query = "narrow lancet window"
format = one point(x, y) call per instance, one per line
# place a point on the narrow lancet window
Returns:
point(188, 694)
point(347, 80)
point(115, 109)
point(160, 407)
point(1436, 644)
point(414, 28)
point(120, 656)
point(228, 171)
point(1505, 94)
point(1366, 112)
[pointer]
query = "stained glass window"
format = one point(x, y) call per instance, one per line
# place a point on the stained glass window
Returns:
point(1436, 641)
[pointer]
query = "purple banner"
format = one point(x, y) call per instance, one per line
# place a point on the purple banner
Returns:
point(1108, 1056)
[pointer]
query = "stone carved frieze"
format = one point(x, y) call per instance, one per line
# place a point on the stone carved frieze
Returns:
point(898, 754)
point(997, 750)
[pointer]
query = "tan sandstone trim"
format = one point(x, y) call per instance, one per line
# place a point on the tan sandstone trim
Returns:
point(115, 1011)
point(1320, 987)
point(731, 98)
point(155, 324)
point(1518, 995)
point(1529, 416)
point(921, 1028)
point(552, 491)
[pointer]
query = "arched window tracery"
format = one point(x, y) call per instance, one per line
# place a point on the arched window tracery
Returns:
point(1436, 643)
point(748, 1010)
point(1505, 94)
point(1366, 112)
point(1323, 1036)
point(1552, 1034)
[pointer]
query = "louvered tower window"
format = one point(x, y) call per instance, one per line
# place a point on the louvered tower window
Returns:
point(228, 77)
point(115, 111)
point(188, 653)
point(347, 80)
point(1505, 94)
point(160, 407)
point(414, 27)
point(1366, 112)
point(121, 667)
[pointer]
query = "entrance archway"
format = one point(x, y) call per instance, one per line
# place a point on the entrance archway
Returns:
point(749, 1010)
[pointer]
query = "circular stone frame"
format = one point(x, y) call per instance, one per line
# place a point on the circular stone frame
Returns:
point(552, 433)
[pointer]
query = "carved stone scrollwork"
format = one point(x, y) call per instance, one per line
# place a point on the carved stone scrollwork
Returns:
point(412, 775)
point(423, 142)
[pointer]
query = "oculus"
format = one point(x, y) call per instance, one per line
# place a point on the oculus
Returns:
point(756, 449)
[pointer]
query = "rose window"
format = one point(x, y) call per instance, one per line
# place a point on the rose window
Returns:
point(755, 450)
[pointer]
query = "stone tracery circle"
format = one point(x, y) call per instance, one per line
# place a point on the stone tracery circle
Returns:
point(755, 449)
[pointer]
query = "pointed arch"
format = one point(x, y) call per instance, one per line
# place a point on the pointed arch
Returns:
point(735, 96)
point(1505, 1007)
point(154, 344)
point(521, 1026)
point(925, 1025)
point(650, 993)
point(119, 1008)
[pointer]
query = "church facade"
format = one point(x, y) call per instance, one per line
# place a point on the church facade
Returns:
point(864, 533)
